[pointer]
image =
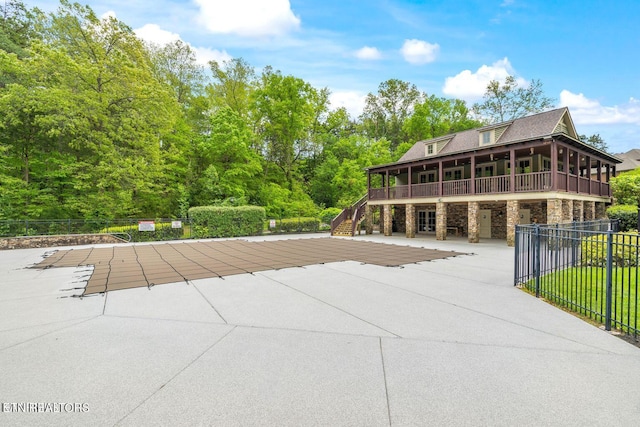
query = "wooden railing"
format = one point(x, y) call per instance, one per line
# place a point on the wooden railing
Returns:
point(492, 184)
point(354, 212)
point(526, 182)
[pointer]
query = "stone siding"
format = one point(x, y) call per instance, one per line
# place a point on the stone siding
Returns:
point(410, 221)
point(441, 221)
point(474, 222)
point(399, 218)
point(52, 241)
point(513, 219)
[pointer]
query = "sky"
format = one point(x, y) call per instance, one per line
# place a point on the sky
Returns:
point(586, 53)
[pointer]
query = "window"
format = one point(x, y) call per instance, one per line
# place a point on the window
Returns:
point(524, 166)
point(430, 149)
point(486, 137)
point(453, 174)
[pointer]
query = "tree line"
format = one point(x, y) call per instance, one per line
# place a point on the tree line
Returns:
point(96, 123)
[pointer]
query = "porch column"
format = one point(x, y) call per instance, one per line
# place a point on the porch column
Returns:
point(441, 221)
point(578, 210)
point(589, 211)
point(386, 178)
point(600, 210)
point(565, 165)
point(409, 181)
point(567, 210)
point(368, 218)
point(588, 164)
point(410, 221)
point(440, 178)
point(388, 221)
point(554, 165)
point(474, 222)
point(512, 170)
point(513, 219)
point(554, 211)
point(473, 173)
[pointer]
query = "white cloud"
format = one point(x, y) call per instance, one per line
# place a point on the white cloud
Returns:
point(368, 53)
point(419, 52)
point(590, 111)
point(352, 101)
point(472, 86)
point(204, 55)
point(154, 34)
point(108, 14)
point(248, 18)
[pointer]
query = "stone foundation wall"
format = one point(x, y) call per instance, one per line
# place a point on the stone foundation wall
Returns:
point(498, 219)
point(399, 218)
point(538, 211)
point(51, 241)
point(457, 217)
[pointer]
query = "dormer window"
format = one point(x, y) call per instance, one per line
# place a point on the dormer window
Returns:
point(431, 149)
point(486, 137)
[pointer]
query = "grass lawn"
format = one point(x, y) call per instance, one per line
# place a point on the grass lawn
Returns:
point(583, 290)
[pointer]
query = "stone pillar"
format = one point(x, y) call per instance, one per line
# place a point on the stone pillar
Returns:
point(589, 211)
point(388, 221)
point(441, 221)
point(554, 211)
point(567, 210)
point(410, 221)
point(368, 219)
point(399, 218)
point(474, 222)
point(578, 210)
point(600, 210)
point(513, 219)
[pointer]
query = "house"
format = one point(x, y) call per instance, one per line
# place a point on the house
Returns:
point(480, 183)
point(630, 161)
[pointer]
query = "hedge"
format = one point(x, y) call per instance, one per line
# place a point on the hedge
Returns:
point(163, 231)
point(296, 225)
point(627, 215)
point(625, 250)
point(226, 221)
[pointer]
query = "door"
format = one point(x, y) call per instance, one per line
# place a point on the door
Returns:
point(485, 223)
point(422, 221)
point(525, 216)
point(426, 221)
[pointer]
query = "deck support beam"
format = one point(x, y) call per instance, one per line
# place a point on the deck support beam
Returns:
point(441, 221)
point(473, 224)
point(513, 219)
point(410, 221)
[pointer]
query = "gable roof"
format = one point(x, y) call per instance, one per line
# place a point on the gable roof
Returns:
point(525, 128)
point(630, 160)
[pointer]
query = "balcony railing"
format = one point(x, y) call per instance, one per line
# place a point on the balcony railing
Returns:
point(526, 182)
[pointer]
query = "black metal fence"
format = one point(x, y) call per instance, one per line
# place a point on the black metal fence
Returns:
point(588, 267)
point(138, 230)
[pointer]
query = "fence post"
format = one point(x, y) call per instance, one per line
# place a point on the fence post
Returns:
point(516, 267)
point(536, 258)
point(609, 301)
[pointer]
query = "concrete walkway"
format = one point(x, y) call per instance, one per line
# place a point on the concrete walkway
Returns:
point(446, 342)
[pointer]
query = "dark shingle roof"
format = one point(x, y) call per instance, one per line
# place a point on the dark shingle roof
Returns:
point(530, 127)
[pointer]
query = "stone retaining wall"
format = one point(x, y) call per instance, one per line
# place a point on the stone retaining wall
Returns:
point(50, 241)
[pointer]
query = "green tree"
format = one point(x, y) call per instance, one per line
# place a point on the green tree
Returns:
point(509, 100)
point(438, 116)
point(287, 110)
point(385, 112)
point(233, 84)
point(626, 188)
point(595, 141)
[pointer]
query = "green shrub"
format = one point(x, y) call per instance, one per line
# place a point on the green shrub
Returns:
point(226, 221)
point(625, 250)
point(292, 225)
point(163, 231)
point(328, 214)
point(627, 215)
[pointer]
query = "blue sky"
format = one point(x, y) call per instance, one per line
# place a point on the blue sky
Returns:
point(586, 53)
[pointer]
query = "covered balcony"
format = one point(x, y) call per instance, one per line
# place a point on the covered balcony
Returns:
point(542, 166)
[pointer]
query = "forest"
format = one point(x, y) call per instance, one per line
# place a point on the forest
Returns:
point(96, 123)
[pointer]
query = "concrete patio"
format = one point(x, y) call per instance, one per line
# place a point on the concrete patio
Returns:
point(445, 342)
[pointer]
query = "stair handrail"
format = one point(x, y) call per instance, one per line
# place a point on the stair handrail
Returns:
point(354, 211)
point(358, 213)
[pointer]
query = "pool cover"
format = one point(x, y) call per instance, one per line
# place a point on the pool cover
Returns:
point(123, 267)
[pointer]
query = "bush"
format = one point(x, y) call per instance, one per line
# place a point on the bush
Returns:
point(627, 216)
point(223, 221)
point(292, 225)
point(328, 214)
point(625, 250)
point(163, 231)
